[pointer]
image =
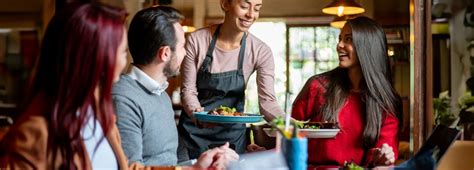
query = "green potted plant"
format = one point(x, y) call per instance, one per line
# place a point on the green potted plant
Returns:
point(466, 115)
point(442, 110)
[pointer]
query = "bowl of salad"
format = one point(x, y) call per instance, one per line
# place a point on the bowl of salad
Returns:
point(306, 128)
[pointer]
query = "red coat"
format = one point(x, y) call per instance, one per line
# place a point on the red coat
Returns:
point(347, 145)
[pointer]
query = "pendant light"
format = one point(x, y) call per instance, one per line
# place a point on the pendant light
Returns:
point(339, 21)
point(343, 7)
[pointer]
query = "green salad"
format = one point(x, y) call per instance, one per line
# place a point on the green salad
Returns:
point(352, 166)
point(279, 121)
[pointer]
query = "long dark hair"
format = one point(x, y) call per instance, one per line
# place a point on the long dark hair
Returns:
point(377, 92)
point(78, 55)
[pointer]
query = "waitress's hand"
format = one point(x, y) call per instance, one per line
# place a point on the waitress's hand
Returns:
point(198, 109)
point(201, 124)
point(383, 156)
point(191, 115)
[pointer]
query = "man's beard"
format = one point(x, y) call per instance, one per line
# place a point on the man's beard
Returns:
point(168, 71)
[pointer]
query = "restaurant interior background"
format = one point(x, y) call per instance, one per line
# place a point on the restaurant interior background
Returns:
point(426, 58)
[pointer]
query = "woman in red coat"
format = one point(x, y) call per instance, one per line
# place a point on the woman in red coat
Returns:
point(359, 96)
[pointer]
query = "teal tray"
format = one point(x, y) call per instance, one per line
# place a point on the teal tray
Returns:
point(248, 118)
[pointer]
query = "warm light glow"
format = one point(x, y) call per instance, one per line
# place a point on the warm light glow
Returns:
point(338, 24)
point(346, 10)
point(391, 52)
point(340, 10)
point(188, 29)
point(340, 21)
point(343, 7)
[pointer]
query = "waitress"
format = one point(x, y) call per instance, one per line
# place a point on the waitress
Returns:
point(219, 61)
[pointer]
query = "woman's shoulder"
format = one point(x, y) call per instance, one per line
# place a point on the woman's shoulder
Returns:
point(257, 42)
point(27, 134)
point(200, 39)
point(25, 144)
point(203, 32)
point(32, 121)
point(319, 80)
point(30, 125)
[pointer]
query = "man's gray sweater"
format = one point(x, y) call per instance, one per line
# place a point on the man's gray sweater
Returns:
point(146, 123)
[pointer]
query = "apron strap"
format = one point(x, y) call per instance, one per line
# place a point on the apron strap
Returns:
point(242, 52)
point(208, 60)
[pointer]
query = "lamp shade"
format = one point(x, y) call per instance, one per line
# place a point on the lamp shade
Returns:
point(338, 22)
point(343, 7)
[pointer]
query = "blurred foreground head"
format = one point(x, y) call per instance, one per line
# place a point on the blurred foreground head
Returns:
point(75, 72)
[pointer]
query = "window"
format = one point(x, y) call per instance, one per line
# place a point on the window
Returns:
point(276, 41)
point(312, 51)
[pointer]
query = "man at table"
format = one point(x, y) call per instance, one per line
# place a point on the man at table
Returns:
point(144, 111)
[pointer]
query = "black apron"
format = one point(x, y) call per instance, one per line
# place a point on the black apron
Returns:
point(214, 90)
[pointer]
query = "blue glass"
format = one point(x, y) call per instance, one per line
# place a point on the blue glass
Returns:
point(296, 152)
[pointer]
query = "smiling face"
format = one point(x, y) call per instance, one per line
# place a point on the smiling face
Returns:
point(243, 13)
point(346, 50)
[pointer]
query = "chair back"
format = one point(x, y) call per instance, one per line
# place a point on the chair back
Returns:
point(459, 156)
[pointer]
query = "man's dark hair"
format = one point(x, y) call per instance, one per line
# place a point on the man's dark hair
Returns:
point(150, 29)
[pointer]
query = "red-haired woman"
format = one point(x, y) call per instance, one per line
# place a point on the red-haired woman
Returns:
point(68, 120)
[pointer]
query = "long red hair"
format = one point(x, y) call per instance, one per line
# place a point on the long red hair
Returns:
point(78, 56)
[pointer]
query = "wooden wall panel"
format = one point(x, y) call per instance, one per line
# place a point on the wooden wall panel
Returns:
point(421, 64)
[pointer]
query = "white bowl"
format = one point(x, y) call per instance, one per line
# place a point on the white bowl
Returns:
point(310, 133)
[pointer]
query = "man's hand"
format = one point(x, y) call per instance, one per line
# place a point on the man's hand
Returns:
point(255, 148)
point(217, 158)
point(383, 156)
point(136, 165)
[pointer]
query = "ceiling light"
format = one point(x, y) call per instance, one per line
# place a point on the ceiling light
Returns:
point(343, 7)
point(338, 22)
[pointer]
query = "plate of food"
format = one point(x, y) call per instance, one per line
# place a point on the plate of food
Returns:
point(308, 129)
point(319, 129)
point(320, 133)
point(309, 133)
point(224, 114)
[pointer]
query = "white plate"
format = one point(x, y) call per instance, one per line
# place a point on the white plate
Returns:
point(320, 133)
point(311, 133)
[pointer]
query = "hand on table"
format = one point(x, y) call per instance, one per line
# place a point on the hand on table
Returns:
point(383, 156)
point(255, 148)
point(217, 158)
